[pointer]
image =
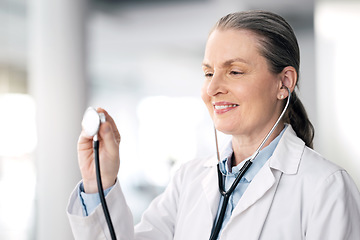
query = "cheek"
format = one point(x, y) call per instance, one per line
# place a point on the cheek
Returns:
point(205, 97)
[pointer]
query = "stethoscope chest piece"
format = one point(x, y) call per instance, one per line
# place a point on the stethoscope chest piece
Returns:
point(91, 121)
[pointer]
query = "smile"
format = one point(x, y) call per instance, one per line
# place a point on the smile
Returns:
point(223, 107)
point(218, 107)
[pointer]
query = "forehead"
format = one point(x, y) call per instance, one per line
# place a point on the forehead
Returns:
point(223, 45)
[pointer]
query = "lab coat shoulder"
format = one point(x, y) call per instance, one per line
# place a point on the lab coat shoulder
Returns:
point(315, 198)
point(334, 207)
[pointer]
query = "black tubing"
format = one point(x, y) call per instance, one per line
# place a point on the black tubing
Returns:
point(101, 191)
point(226, 195)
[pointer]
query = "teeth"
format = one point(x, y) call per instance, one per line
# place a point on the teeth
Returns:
point(224, 106)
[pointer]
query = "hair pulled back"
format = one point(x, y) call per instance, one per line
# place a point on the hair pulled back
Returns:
point(278, 44)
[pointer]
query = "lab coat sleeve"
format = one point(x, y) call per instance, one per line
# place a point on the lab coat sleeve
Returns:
point(336, 211)
point(94, 226)
point(157, 222)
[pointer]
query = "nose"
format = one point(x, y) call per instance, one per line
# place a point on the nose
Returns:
point(216, 85)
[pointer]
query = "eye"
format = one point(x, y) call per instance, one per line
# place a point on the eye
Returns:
point(236, 72)
point(208, 74)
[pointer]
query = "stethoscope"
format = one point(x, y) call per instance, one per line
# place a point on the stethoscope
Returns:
point(226, 194)
point(91, 124)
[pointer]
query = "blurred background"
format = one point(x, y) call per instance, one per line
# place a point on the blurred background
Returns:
point(141, 60)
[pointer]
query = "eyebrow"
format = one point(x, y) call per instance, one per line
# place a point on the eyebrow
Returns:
point(226, 63)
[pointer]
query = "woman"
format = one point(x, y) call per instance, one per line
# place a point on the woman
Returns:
point(251, 65)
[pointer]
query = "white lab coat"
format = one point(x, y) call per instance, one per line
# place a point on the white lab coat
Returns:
point(296, 195)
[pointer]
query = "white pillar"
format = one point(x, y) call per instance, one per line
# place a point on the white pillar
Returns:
point(338, 50)
point(57, 81)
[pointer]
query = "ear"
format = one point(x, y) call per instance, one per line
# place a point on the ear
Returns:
point(287, 78)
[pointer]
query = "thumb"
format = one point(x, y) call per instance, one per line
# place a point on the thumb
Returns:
point(107, 135)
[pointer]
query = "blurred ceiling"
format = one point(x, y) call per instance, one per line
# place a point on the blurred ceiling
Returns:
point(110, 18)
point(274, 5)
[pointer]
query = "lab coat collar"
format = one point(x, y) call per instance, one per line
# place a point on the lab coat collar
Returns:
point(261, 191)
point(287, 155)
point(285, 160)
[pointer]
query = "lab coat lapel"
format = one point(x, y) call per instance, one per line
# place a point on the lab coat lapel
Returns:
point(211, 189)
point(285, 159)
point(263, 187)
point(256, 201)
point(254, 206)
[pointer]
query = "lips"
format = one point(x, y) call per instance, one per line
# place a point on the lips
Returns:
point(223, 107)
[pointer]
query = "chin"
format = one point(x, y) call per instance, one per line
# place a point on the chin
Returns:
point(228, 129)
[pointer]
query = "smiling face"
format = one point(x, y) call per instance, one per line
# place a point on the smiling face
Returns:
point(239, 91)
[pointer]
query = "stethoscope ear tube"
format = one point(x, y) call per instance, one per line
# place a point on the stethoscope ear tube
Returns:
point(245, 167)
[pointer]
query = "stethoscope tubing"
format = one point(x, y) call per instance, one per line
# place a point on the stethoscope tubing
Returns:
point(226, 195)
point(101, 190)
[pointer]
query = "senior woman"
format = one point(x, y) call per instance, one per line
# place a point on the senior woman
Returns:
point(251, 64)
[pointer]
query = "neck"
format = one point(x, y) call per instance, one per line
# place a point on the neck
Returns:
point(245, 146)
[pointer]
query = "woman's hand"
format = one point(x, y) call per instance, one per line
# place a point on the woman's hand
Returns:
point(109, 140)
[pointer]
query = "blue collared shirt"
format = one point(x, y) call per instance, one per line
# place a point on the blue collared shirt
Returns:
point(231, 173)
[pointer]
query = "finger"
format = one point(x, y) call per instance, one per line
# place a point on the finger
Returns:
point(84, 141)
